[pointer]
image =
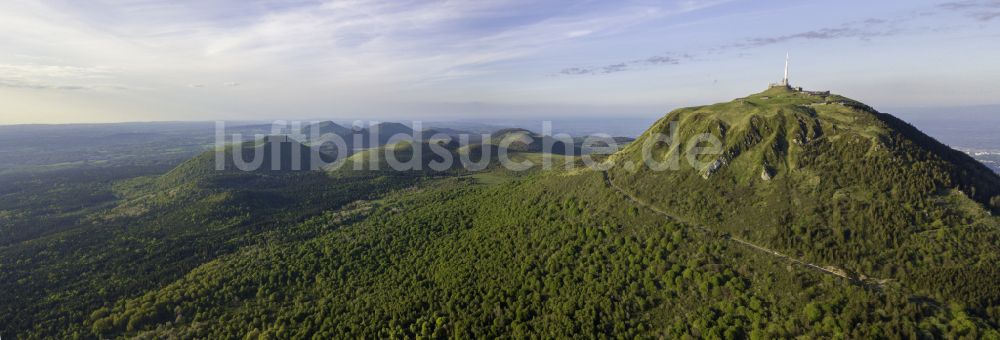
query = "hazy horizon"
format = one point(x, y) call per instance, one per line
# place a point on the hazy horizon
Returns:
point(986, 115)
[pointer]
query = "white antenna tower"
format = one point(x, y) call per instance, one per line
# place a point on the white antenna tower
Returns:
point(785, 81)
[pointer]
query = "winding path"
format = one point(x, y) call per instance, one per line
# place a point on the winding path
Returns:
point(748, 244)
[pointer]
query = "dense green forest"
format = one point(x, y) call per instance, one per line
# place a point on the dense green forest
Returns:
point(493, 254)
point(459, 258)
point(151, 231)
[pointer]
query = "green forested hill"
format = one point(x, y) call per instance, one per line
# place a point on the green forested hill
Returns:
point(834, 182)
point(409, 156)
point(157, 229)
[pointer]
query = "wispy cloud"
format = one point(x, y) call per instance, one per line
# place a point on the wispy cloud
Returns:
point(37, 86)
point(971, 4)
point(339, 40)
point(240, 56)
point(978, 10)
point(865, 30)
point(656, 60)
point(819, 34)
point(55, 77)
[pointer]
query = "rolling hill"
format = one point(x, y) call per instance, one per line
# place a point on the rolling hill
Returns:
point(159, 227)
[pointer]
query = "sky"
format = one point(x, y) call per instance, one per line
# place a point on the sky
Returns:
point(65, 61)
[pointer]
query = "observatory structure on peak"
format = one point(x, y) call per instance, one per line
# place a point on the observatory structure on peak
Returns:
point(785, 84)
point(784, 81)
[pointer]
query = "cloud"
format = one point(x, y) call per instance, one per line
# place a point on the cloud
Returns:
point(969, 4)
point(978, 10)
point(614, 68)
point(606, 69)
point(54, 77)
point(984, 16)
point(656, 60)
point(53, 71)
point(344, 42)
point(661, 59)
point(329, 55)
point(37, 86)
point(576, 71)
point(864, 30)
point(318, 55)
point(820, 34)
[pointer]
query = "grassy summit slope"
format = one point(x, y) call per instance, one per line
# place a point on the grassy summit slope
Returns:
point(826, 178)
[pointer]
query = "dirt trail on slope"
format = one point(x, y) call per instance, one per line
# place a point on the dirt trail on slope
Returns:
point(825, 270)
